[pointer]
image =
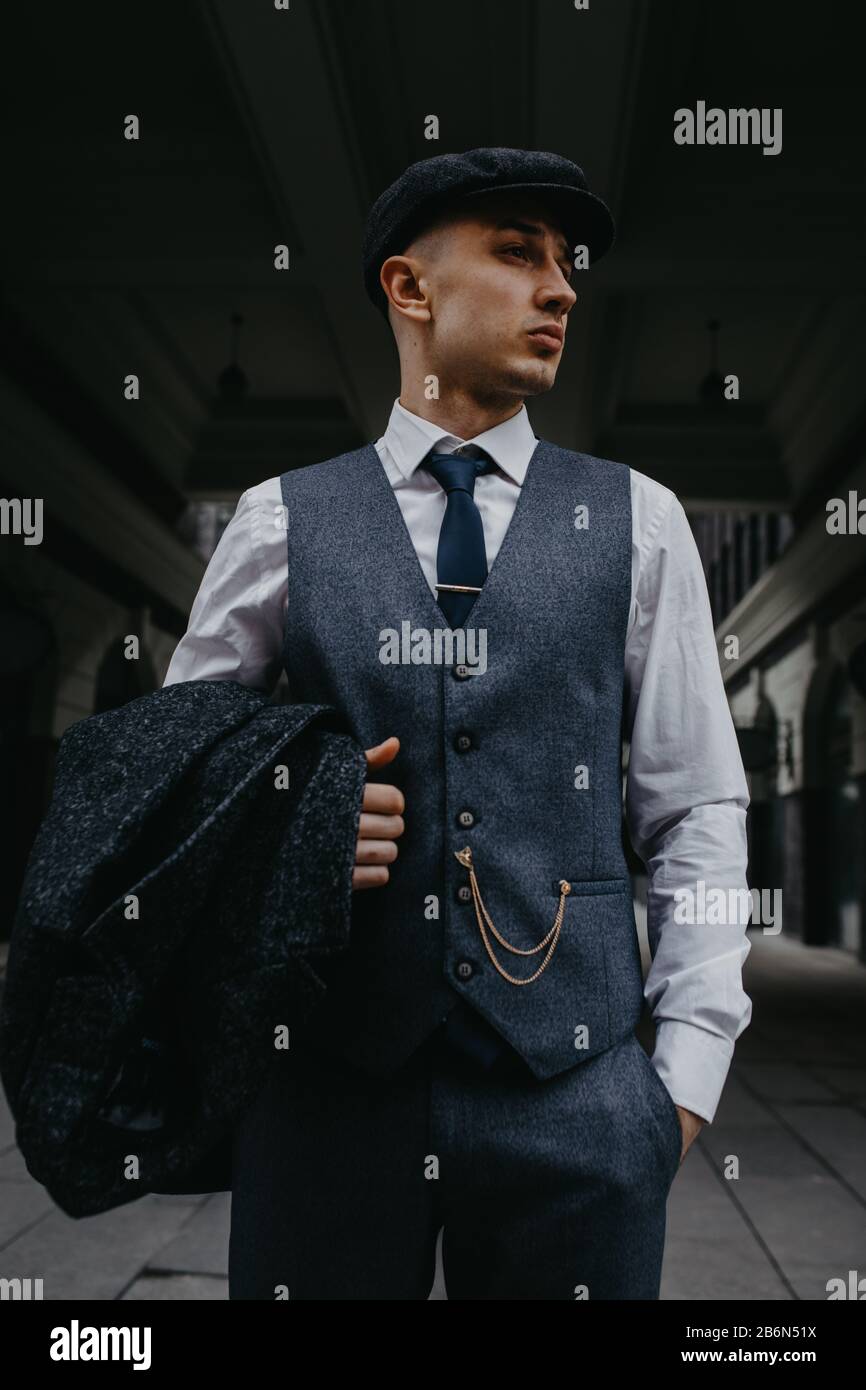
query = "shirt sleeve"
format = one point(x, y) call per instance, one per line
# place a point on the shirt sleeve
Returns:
point(237, 620)
point(686, 803)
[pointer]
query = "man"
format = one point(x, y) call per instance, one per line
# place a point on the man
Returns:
point(444, 1082)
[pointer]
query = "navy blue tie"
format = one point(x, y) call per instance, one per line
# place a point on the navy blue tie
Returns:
point(461, 557)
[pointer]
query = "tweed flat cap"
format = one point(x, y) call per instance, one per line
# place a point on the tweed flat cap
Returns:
point(411, 202)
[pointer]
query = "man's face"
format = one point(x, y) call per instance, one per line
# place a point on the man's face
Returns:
point(500, 272)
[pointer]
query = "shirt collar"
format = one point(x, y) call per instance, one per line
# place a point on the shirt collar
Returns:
point(409, 439)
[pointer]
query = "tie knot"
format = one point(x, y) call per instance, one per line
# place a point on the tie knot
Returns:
point(458, 470)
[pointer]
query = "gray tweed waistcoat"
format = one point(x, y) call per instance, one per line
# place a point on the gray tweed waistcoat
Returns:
point(515, 753)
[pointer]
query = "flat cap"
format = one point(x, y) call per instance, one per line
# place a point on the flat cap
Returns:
point(412, 201)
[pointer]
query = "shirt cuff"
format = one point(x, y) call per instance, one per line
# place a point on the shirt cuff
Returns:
point(693, 1064)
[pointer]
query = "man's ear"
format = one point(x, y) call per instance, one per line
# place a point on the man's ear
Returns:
point(397, 277)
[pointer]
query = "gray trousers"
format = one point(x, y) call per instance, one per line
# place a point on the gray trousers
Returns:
point(550, 1189)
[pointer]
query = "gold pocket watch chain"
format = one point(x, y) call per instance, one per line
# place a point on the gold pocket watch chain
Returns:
point(465, 858)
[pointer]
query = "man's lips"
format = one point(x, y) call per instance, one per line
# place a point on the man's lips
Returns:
point(548, 335)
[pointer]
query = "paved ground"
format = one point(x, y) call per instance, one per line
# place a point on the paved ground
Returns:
point(793, 1113)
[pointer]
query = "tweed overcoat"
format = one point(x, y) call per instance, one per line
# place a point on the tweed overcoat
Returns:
point(193, 868)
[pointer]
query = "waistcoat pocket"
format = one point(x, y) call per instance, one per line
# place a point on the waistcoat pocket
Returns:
point(592, 986)
point(593, 885)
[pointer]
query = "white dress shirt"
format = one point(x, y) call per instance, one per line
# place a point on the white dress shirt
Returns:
point(686, 792)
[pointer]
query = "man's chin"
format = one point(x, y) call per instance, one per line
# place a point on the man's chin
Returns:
point(518, 378)
point(535, 377)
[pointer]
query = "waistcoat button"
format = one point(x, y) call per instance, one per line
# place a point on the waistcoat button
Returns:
point(465, 819)
point(463, 742)
point(464, 970)
point(461, 672)
point(464, 893)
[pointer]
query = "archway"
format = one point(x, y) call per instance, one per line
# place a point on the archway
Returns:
point(835, 857)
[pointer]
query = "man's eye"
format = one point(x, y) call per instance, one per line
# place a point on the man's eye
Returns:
point(568, 274)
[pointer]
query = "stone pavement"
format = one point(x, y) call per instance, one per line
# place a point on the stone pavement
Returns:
point(793, 1112)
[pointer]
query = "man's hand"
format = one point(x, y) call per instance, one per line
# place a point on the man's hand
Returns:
point(691, 1126)
point(381, 822)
